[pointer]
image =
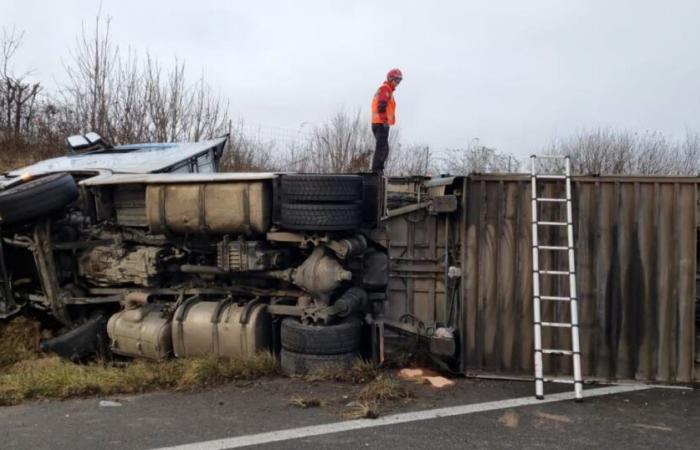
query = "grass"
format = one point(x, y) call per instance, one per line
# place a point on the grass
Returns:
point(19, 341)
point(54, 378)
point(384, 389)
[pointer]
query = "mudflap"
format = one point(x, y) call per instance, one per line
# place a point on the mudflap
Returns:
point(88, 339)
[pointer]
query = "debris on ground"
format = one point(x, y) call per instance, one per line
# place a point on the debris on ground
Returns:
point(509, 419)
point(554, 417)
point(305, 403)
point(362, 410)
point(426, 376)
point(109, 404)
point(383, 389)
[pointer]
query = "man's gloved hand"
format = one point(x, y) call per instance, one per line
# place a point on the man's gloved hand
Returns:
point(386, 125)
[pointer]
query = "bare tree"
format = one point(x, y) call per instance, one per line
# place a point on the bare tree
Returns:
point(128, 110)
point(126, 101)
point(91, 74)
point(18, 96)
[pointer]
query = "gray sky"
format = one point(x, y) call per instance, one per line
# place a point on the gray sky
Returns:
point(514, 74)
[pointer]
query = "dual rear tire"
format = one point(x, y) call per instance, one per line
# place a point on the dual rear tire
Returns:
point(321, 202)
point(312, 348)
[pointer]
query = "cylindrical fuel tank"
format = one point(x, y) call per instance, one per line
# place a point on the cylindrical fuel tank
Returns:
point(222, 329)
point(143, 331)
point(218, 208)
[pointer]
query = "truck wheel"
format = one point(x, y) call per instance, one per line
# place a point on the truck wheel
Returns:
point(300, 363)
point(321, 216)
point(37, 198)
point(321, 188)
point(344, 337)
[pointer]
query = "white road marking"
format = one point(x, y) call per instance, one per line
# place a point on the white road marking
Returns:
point(338, 427)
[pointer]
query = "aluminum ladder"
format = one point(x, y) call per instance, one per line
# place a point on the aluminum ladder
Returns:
point(537, 272)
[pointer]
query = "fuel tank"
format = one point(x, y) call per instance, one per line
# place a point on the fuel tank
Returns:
point(142, 331)
point(209, 208)
point(223, 329)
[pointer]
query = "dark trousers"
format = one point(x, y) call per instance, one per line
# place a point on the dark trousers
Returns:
point(381, 152)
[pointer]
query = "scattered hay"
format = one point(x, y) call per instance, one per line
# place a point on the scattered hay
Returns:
point(301, 402)
point(362, 410)
point(374, 395)
point(54, 378)
point(361, 372)
point(384, 389)
point(19, 340)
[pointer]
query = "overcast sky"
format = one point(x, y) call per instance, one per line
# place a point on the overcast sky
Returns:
point(514, 74)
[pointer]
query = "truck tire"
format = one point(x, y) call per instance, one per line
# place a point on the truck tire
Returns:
point(321, 216)
point(37, 198)
point(300, 363)
point(321, 188)
point(344, 337)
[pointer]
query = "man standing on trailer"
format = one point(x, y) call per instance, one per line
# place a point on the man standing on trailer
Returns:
point(384, 116)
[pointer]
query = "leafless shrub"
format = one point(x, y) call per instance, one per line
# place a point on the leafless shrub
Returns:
point(343, 144)
point(605, 151)
point(409, 160)
point(245, 152)
point(476, 158)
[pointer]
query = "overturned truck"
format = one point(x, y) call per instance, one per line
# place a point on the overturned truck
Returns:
point(147, 250)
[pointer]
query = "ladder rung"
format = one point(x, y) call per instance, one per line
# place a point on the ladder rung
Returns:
point(551, 177)
point(551, 200)
point(554, 272)
point(556, 351)
point(554, 224)
point(555, 298)
point(556, 324)
point(552, 247)
point(559, 380)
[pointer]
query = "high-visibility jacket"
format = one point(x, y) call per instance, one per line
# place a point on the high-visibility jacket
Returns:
point(383, 105)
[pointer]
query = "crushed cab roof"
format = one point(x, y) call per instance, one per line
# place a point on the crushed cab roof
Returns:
point(131, 158)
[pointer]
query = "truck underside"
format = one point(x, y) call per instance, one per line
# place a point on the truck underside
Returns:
point(161, 265)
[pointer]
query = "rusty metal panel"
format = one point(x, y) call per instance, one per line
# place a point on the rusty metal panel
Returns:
point(636, 266)
point(417, 269)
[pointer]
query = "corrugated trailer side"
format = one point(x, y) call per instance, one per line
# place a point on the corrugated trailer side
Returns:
point(636, 265)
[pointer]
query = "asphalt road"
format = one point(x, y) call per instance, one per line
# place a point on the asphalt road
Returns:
point(653, 418)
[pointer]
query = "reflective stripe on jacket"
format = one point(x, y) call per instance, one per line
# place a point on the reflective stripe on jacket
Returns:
point(383, 105)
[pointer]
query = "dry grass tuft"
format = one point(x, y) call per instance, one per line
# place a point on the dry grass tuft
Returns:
point(384, 389)
point(54, 378)
point(374, 395)
point(361, 372)
point(362, 410)
point(19, 340)
point(301, 402)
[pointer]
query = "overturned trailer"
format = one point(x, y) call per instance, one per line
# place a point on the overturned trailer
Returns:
point(461, 256)
point(148, 251)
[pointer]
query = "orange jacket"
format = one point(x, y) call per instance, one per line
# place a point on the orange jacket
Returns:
point(383, 105)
